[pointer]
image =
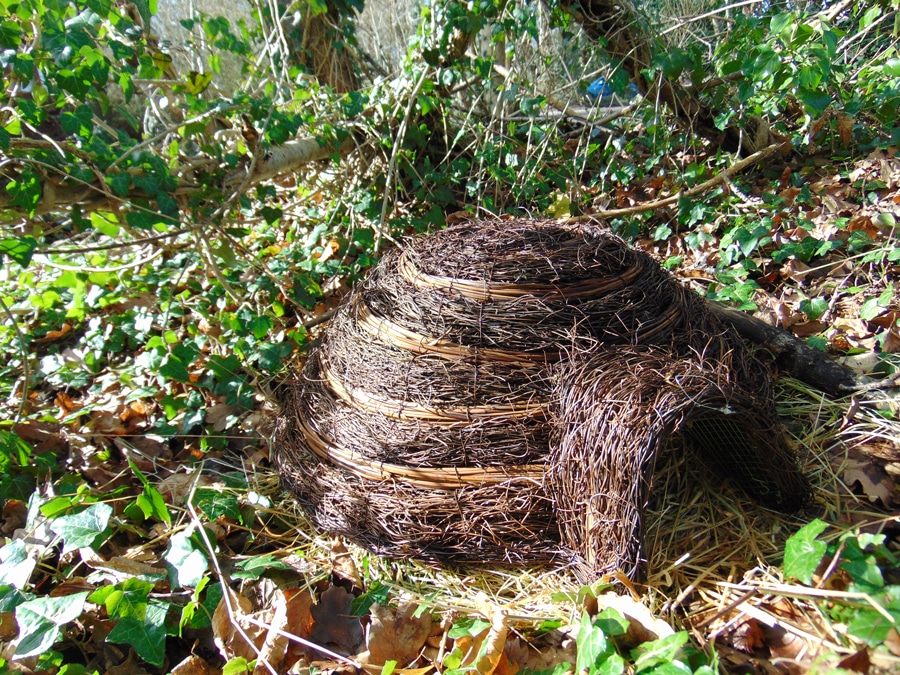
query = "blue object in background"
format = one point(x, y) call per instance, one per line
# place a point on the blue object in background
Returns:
point(600, 88)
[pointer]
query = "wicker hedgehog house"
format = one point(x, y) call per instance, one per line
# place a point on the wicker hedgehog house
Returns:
point(499, 391)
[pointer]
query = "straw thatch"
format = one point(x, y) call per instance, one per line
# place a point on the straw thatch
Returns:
point(499, 392)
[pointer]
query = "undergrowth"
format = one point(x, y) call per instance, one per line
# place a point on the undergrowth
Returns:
point(155, 291)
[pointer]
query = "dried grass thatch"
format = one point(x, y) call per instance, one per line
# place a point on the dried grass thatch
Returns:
point(499, 392)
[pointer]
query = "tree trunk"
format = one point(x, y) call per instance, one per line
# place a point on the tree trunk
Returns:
point(326, 53)
point(628, 40)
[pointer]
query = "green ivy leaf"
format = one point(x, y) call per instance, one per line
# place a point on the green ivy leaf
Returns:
point(196, 82)
point(271, 354)
point(26, 191)
point(612, 665)
point(870, 309)
point(237, 666)
point(19, 249)
point(82, 529)
point(16, 567)
point(871, 626)
point(150, 502)
point(76, 669)
point(814, 308)
point(148, 637)
point(187, 564)
point(120, 183)
point(781, 21)
point(40, 620)
point(176, 364)
point(270, 215)
point(129, 599)
point(662, 651)
point(260, 326)
point(468, 627)
point(815, 100)
point(255, 567)
point(11, 597)
point(144, 220)
point(215, 504)
point(175, 369)
point(187, 612)
point(891, 67)
point(378, 593)
point(611, 622)
point(224, 368)
point(803, 552)
point(105, 222)
point(202, 614)
point(593, 647)
point(667, 668)
point(868, 18)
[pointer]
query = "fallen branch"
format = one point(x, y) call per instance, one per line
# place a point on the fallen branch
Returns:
point(757, 156)
point(806, 363)
point(284, 158)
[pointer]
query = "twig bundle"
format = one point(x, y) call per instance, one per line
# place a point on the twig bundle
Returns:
point(499, 392)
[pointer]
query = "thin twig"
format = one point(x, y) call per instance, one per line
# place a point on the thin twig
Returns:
point(103, 270)
point(693, 192)
point(120, 244)
point(223, 578)
point(26, 374)
point(395, 153)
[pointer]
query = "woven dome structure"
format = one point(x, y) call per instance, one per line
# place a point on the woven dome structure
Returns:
point(499, 391)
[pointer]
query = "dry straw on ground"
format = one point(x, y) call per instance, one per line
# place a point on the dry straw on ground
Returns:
point(500, 392)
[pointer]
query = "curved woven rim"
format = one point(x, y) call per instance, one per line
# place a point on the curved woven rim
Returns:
point(491, 291)
point(404, 410)
point(397, 336)
point(450, 478)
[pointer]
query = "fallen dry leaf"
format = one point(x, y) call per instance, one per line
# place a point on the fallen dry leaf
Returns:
point(491, 652)
point(343, 566)
point(396, 634)
point(891, 344)
point(15, 514)
point(858, 662)
point(150, 447)
point(299, 622)
point(44, 436)
point(802, 330)
point(749, 636)
point(542, 653)
point(892, 641)
point(333, 625)
point(231, 633)
point(192, 665)
point(124, 568)
point(128, 667)
point(735, 661)
point(176, 488)
point(54, 335)
point(782, 645)
point(217, 415)
point(642, 625)
point(275, 646)
point(874, 481)
point(845, 128)
point(71, 587)
point(8, 627)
